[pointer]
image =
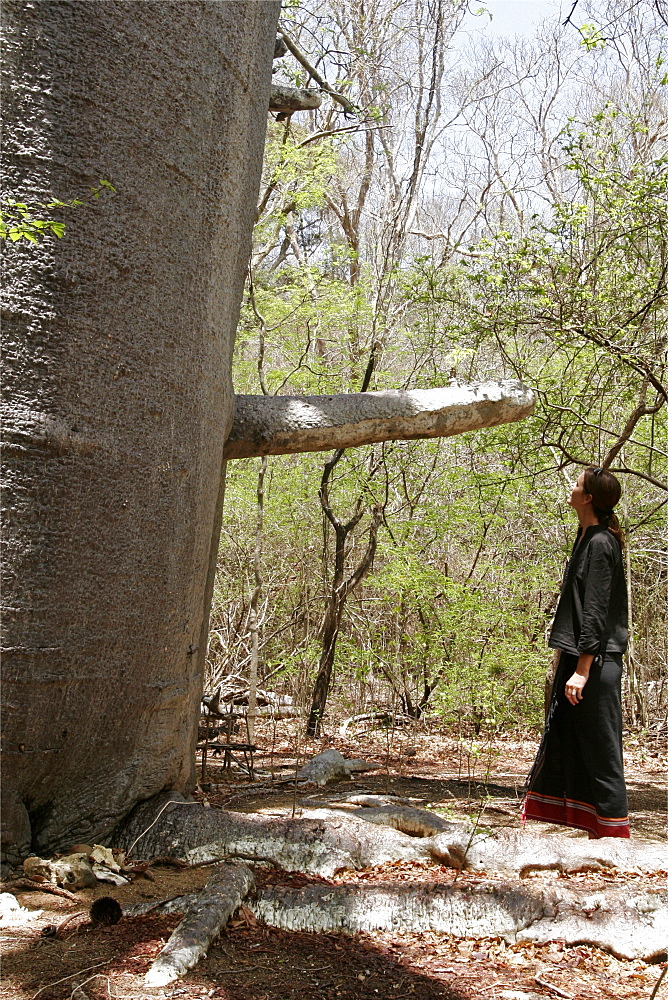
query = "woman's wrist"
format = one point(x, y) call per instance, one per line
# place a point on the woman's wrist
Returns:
point(585, 661)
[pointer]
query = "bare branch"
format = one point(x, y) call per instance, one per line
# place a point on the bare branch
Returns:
point(302, 58)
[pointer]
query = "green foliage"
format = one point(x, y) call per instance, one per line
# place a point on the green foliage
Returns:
point(591, 37)
point(20, 221)
point(24, 221)
point(571, 299)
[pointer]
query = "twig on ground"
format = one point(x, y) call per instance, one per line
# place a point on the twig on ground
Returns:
point(658, 983)
point(73, 976)
point(27, 883)
point(554, 989)
point(171, 802)
point(68, 920)
point(500, 809)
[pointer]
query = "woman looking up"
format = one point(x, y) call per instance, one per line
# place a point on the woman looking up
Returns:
point(578, 777)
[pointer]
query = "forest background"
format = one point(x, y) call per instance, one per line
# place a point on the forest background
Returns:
point(457, 211)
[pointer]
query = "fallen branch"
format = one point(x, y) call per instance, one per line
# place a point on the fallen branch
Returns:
point(225, 889)
point(553, 989)
point(658, 983)
point(331, 765)
point(380, 718)
point(67, 922)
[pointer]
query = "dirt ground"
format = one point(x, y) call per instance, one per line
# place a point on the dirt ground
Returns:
point(252, 962)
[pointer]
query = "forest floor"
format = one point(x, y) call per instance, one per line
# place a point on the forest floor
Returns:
point(457, 778)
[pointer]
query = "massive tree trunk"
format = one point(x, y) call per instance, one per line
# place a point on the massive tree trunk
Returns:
point(118, 392)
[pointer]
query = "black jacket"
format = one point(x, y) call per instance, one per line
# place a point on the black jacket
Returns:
point(593, 603)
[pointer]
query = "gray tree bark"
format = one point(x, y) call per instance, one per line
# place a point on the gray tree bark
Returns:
point(290, 99)
point(226, 888)
point(281, 425)
point(118, 397)
point(324, 841)
point(629, 924)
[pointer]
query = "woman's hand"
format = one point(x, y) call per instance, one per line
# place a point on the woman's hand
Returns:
point(574, 688)
point(575, 684)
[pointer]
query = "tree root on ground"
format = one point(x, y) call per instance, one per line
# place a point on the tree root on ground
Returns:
point(323, 841)
point(630, 925)
point(518, 852)
point(326, 841)
point(206, 915)
point(318, 846)
point(507, 851)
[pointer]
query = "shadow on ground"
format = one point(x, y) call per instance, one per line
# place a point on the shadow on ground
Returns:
point(246, 963)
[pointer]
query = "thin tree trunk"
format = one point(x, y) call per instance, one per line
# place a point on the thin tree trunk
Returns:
point(340, 590)
point(323, 680)
point(253, 615)
point(638, 702)
point(254, 618)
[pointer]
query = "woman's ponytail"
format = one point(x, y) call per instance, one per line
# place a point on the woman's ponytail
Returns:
point(609, 520)
point(605, 491)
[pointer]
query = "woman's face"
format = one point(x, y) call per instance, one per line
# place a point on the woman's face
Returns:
point(578, 498)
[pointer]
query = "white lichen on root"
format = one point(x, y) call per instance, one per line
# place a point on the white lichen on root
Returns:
point(206, 916)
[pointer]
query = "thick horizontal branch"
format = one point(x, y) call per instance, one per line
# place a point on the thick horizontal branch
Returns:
point(283, 425)
point(301, 57)
point(289, 99)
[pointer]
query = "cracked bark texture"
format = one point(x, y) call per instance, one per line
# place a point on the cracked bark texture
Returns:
point(629, 924)
point(322, 845)
point(118, 399)
point(326, 841)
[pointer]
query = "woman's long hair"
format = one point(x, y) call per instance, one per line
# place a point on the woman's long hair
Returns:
point(605, 491)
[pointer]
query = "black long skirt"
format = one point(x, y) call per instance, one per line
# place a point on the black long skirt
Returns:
point(578, 777)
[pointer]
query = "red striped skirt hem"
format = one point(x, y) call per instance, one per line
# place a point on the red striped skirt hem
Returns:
point(568, 812)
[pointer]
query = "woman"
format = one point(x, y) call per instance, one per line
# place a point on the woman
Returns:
point(578, 777)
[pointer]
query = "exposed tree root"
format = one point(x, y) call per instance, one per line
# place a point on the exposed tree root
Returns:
point(507, 851)
point(519, 852)
point(206, 915)
point(325, 841)
point(630, 925)
point(322, 845)
point(406, 819)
